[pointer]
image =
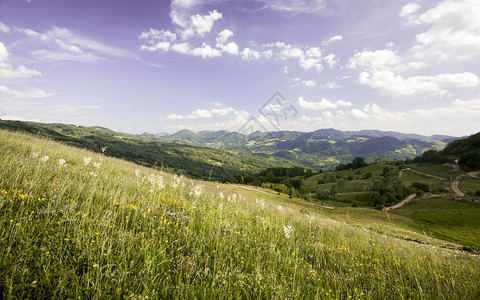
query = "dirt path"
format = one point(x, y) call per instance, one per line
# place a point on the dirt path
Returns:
point(398, 205)
point(273, 194)
point(418, 172)
point(455, 187)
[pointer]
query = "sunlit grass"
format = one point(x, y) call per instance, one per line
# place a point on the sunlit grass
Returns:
point(112, 229)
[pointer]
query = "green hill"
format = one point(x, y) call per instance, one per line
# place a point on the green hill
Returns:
point(79, 224)
point(194, 161)
point(321, 149)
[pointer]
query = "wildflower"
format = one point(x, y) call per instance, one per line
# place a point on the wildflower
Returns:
point(137, 173)
point(44, 159)
point(310, 219)
point(220, 207)
point(61, 161)
point(221, 195)
point(34, 155)
point(280, 208)
point(87, 160)
point(261, 202)
point(288, 229)
point(94, 265)
point(196, 191)
point(97, 164)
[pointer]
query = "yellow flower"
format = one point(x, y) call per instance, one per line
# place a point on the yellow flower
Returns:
point(94, 265)
point(34, 282)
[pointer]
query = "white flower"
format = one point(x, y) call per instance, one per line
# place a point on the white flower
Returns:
point(156, 181)
point(137, 173)
point(288, 229)
point(196, 191)
point(44, 159)
point(34, 155)
point(87, 160)
point(280, 208)
point(310, 219)
point(220, 207)
point(261, 202)
point(97, 164)
point(221, 195)
point(93, 174)
point(61, 161)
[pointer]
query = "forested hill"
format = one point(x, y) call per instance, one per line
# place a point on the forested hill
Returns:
point(194, 161)
point(321, 149)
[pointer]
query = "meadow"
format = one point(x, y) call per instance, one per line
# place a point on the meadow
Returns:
point(78, 224)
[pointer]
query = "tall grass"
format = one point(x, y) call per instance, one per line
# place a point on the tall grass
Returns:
point(117, 230)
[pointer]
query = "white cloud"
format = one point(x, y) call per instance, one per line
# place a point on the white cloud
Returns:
point(200, 25)
point(202, 113)
point(8, 93)
point(343, 103)
point(63, 44)
point(332, 40)
point(389, 84)
point(307, 83)
point(331, 60)
point(206, 51)
point(206, 113)
point(379, 59)
point(285, 70)
point(183, 48)
point(7, 71)
point(296, 6)
point(321, 105)
point(157, 39)
point(223, 36)
point(4, 28)
point(409, 9)
point(17, 118)
point(230, 48)
point(454, 31)
point(314, 52)
point(249, 54)
point(175, 117)
point(307, 63)
point(331, 85)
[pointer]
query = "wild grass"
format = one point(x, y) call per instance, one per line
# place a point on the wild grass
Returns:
point(112, 229)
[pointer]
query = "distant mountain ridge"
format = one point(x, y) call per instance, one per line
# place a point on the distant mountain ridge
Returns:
point(320, 149)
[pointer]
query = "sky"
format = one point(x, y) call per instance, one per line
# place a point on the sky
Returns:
point(159, 66)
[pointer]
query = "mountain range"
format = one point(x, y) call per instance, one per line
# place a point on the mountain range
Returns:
point(320, 149)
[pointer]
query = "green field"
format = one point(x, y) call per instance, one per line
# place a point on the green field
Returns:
point(81, 225)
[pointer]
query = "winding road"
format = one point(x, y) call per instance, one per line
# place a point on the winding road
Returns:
point(400, 204)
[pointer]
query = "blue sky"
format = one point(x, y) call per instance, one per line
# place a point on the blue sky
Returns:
point(161, 66)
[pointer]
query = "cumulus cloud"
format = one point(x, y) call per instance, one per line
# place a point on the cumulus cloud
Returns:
point(379, 59)
point(200, 25)
point(175, 117)
point(206, 51)
point(323, 104)
point(205, 113)
point(223, 36)
point(454, 31)
point(409, 9)
point(307, 83)
point(388, 84)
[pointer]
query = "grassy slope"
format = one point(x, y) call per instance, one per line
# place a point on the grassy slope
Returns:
point(109, 231)
point(196, 162)
point(441, 217)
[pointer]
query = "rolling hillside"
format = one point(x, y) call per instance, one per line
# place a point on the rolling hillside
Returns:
point(194, 161)
point(79, 224)
point(321, 149)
